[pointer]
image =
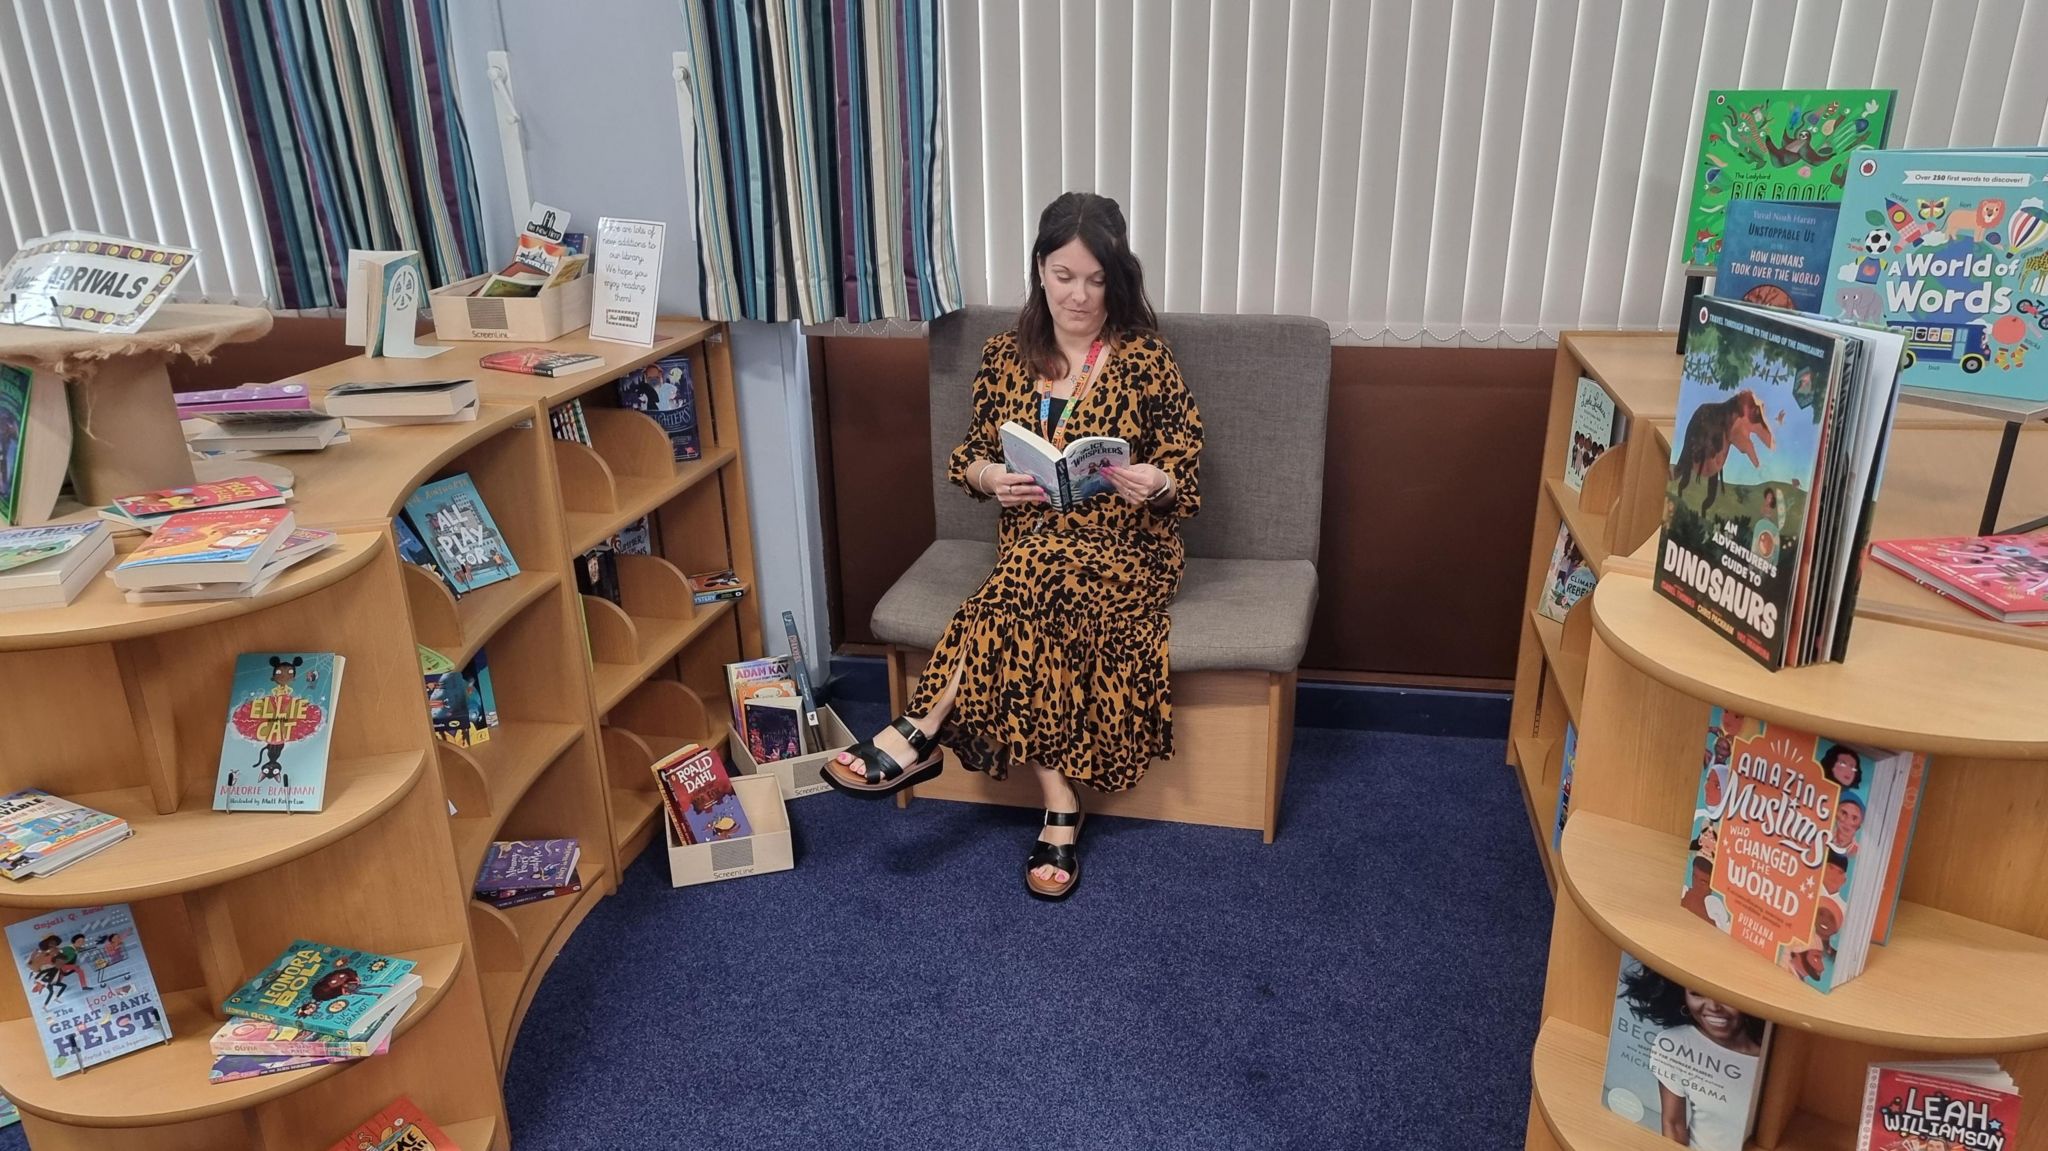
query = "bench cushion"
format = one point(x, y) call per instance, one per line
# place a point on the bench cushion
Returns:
point(1231, 615)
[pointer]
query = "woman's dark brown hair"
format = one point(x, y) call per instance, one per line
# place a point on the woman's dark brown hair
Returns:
point(1099, 224)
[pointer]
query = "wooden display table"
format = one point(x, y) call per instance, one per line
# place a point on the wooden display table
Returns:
point(126, 437)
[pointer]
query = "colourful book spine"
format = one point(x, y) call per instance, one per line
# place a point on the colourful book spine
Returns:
point(262, 1037)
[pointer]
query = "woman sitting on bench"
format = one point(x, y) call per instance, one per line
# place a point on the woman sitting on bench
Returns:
point(1059, 662)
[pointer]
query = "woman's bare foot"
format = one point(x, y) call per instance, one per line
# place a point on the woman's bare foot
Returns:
point(1059, 796)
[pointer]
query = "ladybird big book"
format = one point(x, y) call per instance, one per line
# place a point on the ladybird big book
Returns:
point(273, 756)
point(1965, 1104)
point(1950, 248)
point(458, 529)
point(1776, 144)
point(1674, 1050)
point(1791, 845)
point(340, 992)
point(88, 984)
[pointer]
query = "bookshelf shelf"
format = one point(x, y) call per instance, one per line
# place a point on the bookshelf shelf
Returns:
point(475, 1135)
point(1588, 527)
point(101, 614)
point(457, 628)
point(1924, 990)
point(633, 813)
point(540, 929)
point(197, 846)
point(1905, 687)
point(496, 776)
point(1966, 970)
point(167, 1084)
point(635, 496)
point(656, 641)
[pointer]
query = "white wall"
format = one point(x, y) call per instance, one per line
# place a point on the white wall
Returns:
point(599, 123)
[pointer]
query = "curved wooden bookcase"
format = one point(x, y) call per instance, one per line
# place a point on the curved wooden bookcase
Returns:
point(1965, 972)
point(217, 895)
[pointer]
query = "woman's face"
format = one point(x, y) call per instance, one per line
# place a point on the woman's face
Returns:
point(1842, 768)
point(1074, 291)
point(1716, 1020)
point(1847, 819)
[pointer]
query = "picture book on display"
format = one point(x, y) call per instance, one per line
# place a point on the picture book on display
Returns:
point(2002, 577)
point(88, 984)
point(1950, 248)
point(1068, 475)
point(413, 550)
point(49, 566)
point(597, 573)
point(1682, 1064)
point(1777, 255)
point(273, 756)
point(665, 391)
point(1569, 579)
point(35, 443)
point(698, 795)
point(458, 530)
point(1598, 423)
point(1782, 424)
point(1963, 1104)
point(1776, 144)
point(338, 992)
point(42, 834)
point(1795, 851)
point(400, 1126)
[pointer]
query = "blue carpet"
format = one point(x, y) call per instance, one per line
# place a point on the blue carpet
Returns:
point(1372, 979)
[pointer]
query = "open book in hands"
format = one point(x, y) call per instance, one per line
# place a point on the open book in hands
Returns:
point(1068, 477)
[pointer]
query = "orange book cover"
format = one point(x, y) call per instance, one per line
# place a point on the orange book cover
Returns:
point(401, 1126)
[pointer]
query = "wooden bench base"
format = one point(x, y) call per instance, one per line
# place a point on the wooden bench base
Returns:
point(1231, 733)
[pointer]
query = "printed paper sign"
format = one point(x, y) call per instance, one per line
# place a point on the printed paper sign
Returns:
point(83, 281)
point(628, 270)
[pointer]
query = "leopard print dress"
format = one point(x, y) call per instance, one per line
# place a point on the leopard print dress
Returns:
point(1065, 646)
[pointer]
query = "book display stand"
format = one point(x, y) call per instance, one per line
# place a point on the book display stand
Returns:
point(1966, 969)
point(384, 865)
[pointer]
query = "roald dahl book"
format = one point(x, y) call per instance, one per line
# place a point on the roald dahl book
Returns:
point(1950, 248)
point(88, 984)
point(273, 755)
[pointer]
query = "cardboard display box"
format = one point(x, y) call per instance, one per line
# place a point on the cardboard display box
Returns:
point(799, 776)
point(768, 849)
point(510, 319)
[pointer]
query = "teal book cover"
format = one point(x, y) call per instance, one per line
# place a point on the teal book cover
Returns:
point(89, 986)
point(15, 385)
point(333, 991)
point(273, 756)
point(1950, 249)
point(1777, 255)
point(459, 531)
point(1754, 391)
point(1776, 144)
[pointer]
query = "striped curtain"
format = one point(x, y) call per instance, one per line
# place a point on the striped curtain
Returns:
point(820, 145)
point(354, 136)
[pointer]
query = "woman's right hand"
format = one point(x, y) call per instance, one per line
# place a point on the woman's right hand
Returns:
point(1014, 489)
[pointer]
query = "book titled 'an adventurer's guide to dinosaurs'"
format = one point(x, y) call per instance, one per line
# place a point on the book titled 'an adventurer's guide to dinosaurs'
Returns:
point(1775, 462)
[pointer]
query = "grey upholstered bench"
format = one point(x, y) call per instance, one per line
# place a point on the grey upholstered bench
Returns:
point(1242, 617)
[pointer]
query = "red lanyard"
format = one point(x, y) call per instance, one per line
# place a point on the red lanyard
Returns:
point(1056, 432)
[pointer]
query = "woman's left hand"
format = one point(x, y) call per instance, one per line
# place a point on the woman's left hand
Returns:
point(1137, 483)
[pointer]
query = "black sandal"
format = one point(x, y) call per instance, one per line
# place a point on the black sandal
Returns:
point(885, 776)
point(1060, 855)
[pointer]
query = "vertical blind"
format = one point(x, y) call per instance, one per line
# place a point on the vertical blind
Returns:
point(115, 117)
point(1487, 172)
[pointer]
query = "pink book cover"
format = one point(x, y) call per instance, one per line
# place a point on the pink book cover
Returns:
point(253, 398)
point(2004, 577)
point(239, 490)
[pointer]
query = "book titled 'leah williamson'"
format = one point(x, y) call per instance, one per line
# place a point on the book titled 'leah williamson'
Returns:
point(1967, 1104)
point(1683, 1064)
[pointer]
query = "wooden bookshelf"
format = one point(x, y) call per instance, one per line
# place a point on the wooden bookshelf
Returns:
point(1965, 972)
point(218, 895)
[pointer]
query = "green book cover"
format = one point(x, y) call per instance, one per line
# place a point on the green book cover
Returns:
point(14, 391)
point(1788, 144)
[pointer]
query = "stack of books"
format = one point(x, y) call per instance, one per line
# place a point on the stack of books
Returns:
point(774, 712)
point(1783, 424)
point(697, 794)
point(316, 1004)
point(377, 405)
point(48, 566)
point(42, 834)
point(148, 511)
point(222, 431)
point(541, 362)
point(284, 397)
point(519, 871)
point(222, 553)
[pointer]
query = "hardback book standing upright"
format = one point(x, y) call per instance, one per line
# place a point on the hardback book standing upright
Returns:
point(340, 992)
point(280, 724)
point(1950, 247)
point(1569, 579)
point(1776, 144)
point(1792, 851)
point(35, 443)
point(1683, 1064)
point(451, 518)
point(1777, 255)
point(88, 985)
